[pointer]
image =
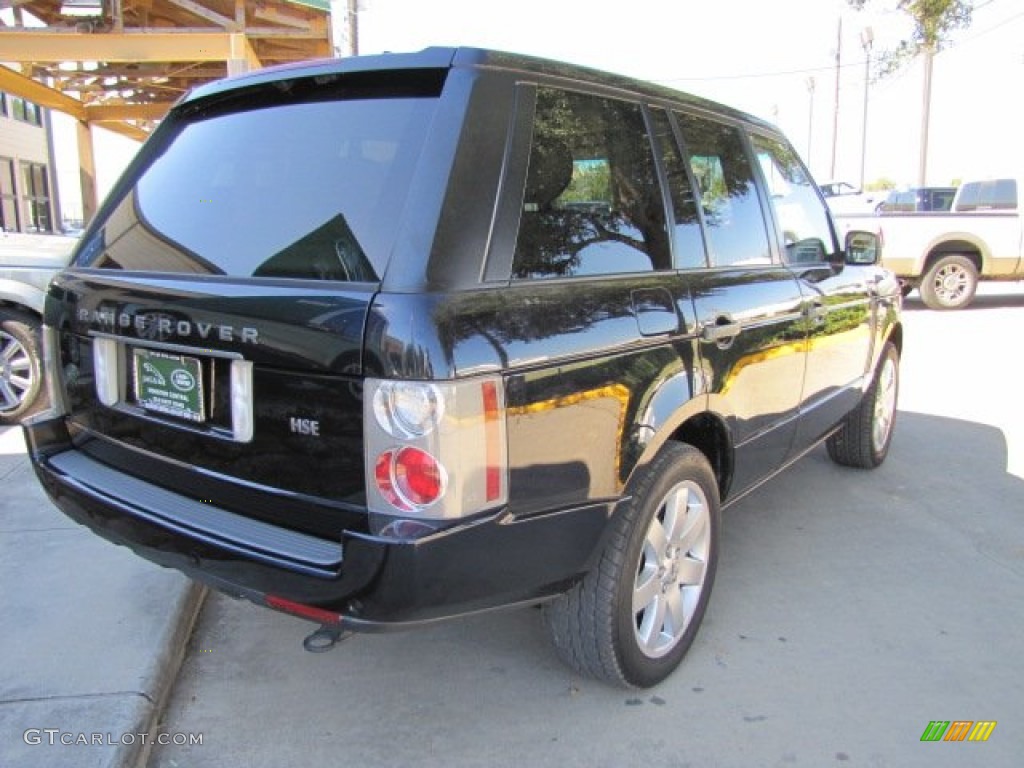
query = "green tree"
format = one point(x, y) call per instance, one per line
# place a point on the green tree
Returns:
point(935, 21)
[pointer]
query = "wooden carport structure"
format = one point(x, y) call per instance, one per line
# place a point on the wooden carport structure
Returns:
point(123, 63)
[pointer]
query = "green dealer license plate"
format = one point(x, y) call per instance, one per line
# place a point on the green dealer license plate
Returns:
point(170, 384)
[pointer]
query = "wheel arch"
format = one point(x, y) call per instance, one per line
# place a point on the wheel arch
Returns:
point(7, 307)
point(673, 414)
point(965, 248)
point(895, 335)
point(709, 434)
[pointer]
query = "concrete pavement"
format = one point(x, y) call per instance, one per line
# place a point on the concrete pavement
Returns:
point(92, 636)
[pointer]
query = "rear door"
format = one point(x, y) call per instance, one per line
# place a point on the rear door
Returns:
point(748, 305)
point(591, 322)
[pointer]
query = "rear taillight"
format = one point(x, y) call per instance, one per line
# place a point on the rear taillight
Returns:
point(435, 450)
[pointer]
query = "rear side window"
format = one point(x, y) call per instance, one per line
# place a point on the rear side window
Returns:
point(725, 178)
point(287, 190)
point(592, 203)
point(805, 233)
point(994, 195)
point(689, 241)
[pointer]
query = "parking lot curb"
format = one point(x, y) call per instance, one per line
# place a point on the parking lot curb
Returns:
point(169, 653)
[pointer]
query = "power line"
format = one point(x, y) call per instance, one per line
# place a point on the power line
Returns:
point(831, 67)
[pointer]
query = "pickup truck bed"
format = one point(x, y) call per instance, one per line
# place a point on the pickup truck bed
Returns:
point(945, 255)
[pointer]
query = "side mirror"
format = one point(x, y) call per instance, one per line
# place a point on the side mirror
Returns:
point(863, 247)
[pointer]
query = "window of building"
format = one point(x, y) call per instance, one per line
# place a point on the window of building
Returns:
point(8, 196)
point(26, 111)
point(733, 218)
point(36, 195)
point(592, 203)
point(3, 104)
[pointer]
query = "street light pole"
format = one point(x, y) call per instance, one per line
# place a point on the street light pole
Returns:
point(835, 113)
point(867, 37)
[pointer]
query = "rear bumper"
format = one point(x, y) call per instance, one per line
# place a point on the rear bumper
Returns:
point(371, 583)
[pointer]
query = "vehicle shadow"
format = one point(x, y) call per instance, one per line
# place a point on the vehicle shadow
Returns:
point(875, 584)
point(939, 472)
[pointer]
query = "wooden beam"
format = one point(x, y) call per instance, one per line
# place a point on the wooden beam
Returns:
point(203, 12)
point(105, 113)
point(117, 13)
point(86, 170)
point(278, 16)
point(308, 33)
point(243, 58)
point(127, 129)
point(19, 85)
point(143, 45)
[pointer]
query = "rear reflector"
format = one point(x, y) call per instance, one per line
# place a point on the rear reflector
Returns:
point(494, 454)
point(302, 610)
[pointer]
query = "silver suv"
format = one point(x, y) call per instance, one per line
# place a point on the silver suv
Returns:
point(27, 262)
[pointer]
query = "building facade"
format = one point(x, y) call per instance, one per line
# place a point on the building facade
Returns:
point(27, 190)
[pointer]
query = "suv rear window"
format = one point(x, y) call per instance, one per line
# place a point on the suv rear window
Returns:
point(294, 188)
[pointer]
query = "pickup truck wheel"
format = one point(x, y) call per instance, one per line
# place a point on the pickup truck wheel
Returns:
point(636, 613)
point(864, 438)
point(949, 283)
point(20, 368)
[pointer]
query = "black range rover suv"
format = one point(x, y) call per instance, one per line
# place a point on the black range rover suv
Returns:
point(384, 340)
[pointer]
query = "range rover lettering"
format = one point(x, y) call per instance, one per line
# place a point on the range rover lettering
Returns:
point(387, 340)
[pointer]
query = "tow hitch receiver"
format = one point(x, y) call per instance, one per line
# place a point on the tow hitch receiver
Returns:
point(325, 638)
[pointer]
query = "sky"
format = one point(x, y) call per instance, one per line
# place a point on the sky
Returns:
point(756, 55)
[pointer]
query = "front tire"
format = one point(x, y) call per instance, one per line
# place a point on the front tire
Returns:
point(634, 616)
point(950, 283)
point(21, 377)
point(865, 435)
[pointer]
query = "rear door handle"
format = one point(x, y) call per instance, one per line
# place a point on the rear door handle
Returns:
point(721, 331)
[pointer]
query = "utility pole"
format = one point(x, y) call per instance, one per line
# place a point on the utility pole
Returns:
point(926, 106)
point(835, 113)
point(810, 116)
point(345, 27)
point(867, 37)
point(353, 26)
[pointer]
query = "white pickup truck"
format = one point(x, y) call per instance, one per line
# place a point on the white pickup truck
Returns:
point(945, 254)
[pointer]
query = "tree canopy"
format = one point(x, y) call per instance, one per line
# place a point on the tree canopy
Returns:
point(934, 23)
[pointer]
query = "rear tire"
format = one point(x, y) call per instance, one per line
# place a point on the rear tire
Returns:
point(950, 283)
point(21, 374)
point(634, 616)
point(866, 432)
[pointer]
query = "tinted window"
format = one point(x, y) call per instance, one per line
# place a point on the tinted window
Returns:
point(997, 194)
point(301, 190)
point(689, 242)
point(592, 204)
point(939, 199)
point(725, 178)
point(803, 223)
